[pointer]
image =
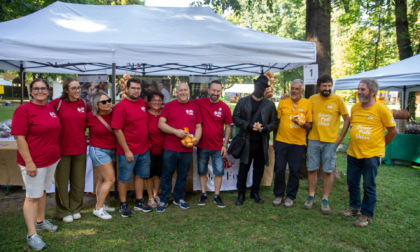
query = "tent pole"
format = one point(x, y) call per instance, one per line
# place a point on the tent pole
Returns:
point(22, 80)
point(114, 66)
point(403, 105)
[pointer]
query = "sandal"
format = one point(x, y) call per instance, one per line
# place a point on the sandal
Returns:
point(152, 203)
point(157, 200)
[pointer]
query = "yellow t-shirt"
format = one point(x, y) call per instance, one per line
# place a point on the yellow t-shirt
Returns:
point(290, 132)
point(326, 113)
point(367, 133)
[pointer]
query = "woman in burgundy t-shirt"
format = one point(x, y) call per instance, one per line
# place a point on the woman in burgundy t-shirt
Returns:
point(72, 112)
point(36, 128)
point(156, 137)
point(102, 150)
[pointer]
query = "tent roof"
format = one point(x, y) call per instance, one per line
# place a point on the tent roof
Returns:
point(405, 73)
point(79, 38)
point(240, 88)
point(5, 82)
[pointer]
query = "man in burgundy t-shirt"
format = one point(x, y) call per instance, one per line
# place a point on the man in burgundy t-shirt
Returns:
point(215, 114)
point(176, 116)
point(129, 122)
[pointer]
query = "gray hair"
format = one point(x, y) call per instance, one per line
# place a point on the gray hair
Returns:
point(95, 100)
point(298, 80)
point(371, 84)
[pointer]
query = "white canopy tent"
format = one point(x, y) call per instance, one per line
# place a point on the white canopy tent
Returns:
point(91, 39)
point(401, 76)
point(5, 82)
point(240, 88)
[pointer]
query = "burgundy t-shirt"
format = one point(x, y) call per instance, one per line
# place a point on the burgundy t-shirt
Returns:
point(131, 118)
point(100, 136)
point(156, 136)
point(41, 127)
point(73, 117)
point(216, 115)
point(180, 116)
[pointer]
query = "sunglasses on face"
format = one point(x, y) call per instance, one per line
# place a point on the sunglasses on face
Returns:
point(104, 102)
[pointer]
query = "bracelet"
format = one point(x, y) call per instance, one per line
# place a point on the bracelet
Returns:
point(225, 145)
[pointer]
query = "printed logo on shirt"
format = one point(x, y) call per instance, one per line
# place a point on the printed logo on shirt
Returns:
point(364, 132)
point(370, 118)
point(329, 106)
point(81, 109)
point(392, 120)
point(324, 119)
point(143, 108)
point(300, 109)
point(217, 114)
point(189, 112)
point(53, 115)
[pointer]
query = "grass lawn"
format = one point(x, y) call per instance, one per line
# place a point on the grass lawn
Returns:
point(251, 227)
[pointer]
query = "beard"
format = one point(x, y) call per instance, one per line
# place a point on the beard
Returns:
point(363, 98)
point(214, 98)
point(133, 97)
point(325, 93)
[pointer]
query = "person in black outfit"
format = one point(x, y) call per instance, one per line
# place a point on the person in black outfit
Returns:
point(250, 111)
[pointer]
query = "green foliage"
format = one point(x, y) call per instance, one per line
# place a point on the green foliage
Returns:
point(347, 94)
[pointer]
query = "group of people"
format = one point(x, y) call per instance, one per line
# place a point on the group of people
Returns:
point(146, 139)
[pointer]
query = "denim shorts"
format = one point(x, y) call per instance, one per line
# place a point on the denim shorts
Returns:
point(101, 156)
point(217, 161)
point(140, 167)
point(321, 151)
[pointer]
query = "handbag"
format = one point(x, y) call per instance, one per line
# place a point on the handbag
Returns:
point(238, 142)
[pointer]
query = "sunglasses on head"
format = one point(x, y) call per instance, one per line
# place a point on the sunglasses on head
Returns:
point(106, 101)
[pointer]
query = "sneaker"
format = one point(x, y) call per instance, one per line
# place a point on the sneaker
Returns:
point(203, 200)
point(277, 201)
point(325, 208)
point(288, 203)
point(350, 213)
point(101, 213)
point(36, 243)
point(46, 225)
point(140, 205)
point(161, 207)
point(108, 208)
point(310, 201)
point(77, 216)
point(68, 218)
point(363, 221)
point(151, 202)
point(125, 210)
point(218, 201)
point(182, 204)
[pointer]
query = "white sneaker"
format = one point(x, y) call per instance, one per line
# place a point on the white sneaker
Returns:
point(77, 216)
point(68, 218)
point(108, 208)
point(101, 213)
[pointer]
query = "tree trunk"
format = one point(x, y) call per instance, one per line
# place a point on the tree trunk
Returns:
point(318, 29)
point(403, 36)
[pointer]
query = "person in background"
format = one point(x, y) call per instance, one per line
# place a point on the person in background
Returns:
point(257, 132)
point(166, 95)
point(323, 139)
point(216, 115)
point(156, 137)
point(36, 129)
point(178, 116)
point(72, 167)
point(129, 122)
point(290, 143)
point(367, 145)
point(102, 150)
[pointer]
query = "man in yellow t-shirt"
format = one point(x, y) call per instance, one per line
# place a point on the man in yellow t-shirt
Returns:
point(323, 138)
point(367, 145)
point(295, 114)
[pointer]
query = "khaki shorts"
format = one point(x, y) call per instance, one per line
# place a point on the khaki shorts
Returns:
point(35, 186)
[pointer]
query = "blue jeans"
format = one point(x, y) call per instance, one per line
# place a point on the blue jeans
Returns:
point(368, 167)
point(172, 160)
point(140, 167)
point(203, 156)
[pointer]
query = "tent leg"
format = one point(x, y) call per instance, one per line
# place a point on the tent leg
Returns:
point(403, 105)
point(22, 84)
point(113, 91)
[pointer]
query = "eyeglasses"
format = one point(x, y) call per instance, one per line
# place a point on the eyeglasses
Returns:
point(42, 89)
point(104, 102)
point(156, 100)
point(75, 88)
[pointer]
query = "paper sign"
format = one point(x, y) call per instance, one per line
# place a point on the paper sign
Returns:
point(310, 74)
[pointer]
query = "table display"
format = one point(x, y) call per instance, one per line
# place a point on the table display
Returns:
point(403, 147)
